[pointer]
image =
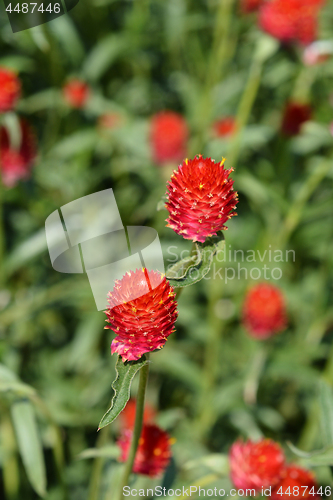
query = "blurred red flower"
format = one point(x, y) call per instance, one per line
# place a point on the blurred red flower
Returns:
point(142, 312)
point(168, 137)
point(264, 311)
point(296, 482)
point(200, 198)
point(225, 126)
point(254, 465)
point(10, 89)
point(248, 6)
point(295, 114)
point(291, 20)
point(15, 164)
point(153, 454)
point(127, 416)
point(76, 93)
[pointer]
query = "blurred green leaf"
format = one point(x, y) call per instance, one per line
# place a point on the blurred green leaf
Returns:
point(121, 386)
point(29, 444)
point(314, 458)
point(104, 452)
point(104, 54)
point(193, 268)
point(326, 412)
point(216, 462)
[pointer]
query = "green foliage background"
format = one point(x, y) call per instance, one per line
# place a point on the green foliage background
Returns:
point(211, 382)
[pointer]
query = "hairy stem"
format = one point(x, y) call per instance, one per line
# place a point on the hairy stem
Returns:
point(140, 401)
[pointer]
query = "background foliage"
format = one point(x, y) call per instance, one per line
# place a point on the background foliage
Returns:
point(211, 382)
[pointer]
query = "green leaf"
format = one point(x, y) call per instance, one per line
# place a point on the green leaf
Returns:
point(102, 56)
point(121, 386)
point(326, 412)
point(317, 458)
point(103, 452)
point(192, 269)
point(216, 462)
point(29, 444)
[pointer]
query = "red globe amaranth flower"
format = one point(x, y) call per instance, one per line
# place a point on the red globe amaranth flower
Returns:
point(168, 137)
point(291, 20)
point(10, 89)
point(256, 464)
point(295, 114)
point(200, 198)
point(264, 311)
point(248, 6)
point(76, 93)
point(296, 479)
point(15, 164)
point(142, 312)
point(225, 126)
point(153, 454)
point(127, 416)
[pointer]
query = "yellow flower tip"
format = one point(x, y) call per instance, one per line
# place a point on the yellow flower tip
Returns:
point(172, 441)
point(141, 441)
point(157, 452)
point(186, 161)
point(201, 186)
point(222, 161)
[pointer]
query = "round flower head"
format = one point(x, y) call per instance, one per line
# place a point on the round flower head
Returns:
point(153, 454)
point(254, 465)
point(200, 198)
point(295, 114)
point(10, 89)
point(299, 481)
point(264, 312)
point(15, 164)
point(225, 126)
point(76, 93)
point(142, 312)
point(291, 20)
point(168, 137)
point(127, 416)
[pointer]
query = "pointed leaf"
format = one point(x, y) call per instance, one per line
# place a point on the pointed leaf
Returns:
point(121, 386)
point(29, 444)
point(314, 458)
point(193, 268)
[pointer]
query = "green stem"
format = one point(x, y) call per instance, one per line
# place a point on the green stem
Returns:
point(244, 108)
point(2, 236)
point(211, 363)
point(140, 401)
point(95, 478)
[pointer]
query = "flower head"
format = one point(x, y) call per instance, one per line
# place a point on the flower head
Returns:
point(142, 312)
point(200, 198)
point(127, 416)
point(291, 20)
point(168, 137)
point(296, 479)
point(10, 89)
point(264, 311)
point(15, 164)
point(225, 126)
point(255, 464)
point(76, 93)
point(153, 454)
point(295, 114)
